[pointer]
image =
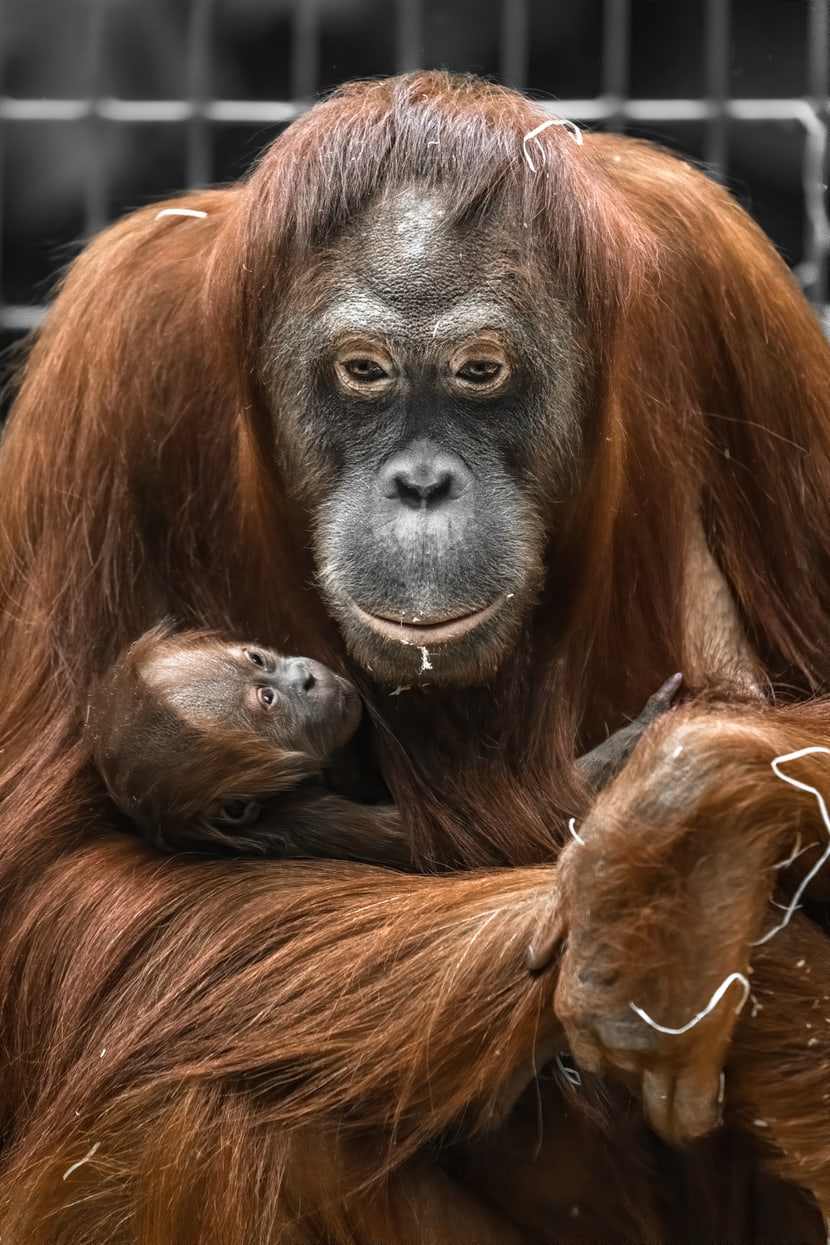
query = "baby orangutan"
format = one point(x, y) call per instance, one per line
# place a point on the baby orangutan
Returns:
point(211, 744)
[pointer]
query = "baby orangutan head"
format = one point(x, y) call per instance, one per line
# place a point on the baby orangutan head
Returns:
point(192, 732)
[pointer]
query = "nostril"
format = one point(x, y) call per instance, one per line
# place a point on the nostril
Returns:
point(428, 491)
point(299, 677)
point(441, 488)
point(424, 478)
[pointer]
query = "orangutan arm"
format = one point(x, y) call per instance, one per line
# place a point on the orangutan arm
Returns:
point(669, 925)
point(605, 761)
point(373, 1008)
point(320, 824)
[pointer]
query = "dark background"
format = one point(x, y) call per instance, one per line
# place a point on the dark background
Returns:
point(64, 172)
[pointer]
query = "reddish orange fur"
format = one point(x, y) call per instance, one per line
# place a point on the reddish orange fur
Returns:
point(278, 1036)
point(680, 865)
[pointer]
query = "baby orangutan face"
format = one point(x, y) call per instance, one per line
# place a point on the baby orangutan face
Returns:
point(194, 735)
point(291, 702)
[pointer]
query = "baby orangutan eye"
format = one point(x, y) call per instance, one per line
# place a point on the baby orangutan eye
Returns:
point(266, 696)
point(255, 658)
point(238, 812)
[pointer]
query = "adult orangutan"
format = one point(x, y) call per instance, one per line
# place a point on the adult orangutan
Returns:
point(509, 427)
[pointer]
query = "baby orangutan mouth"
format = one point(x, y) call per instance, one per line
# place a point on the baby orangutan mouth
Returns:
point(419, 632)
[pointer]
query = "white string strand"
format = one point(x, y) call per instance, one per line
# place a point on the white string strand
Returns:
point(574, 833)
point(795, 902)
point(181, 212)
point(91, 1152)
point(570, 126)
point(710, 1007)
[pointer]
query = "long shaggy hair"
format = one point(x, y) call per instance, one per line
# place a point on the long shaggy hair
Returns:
point(235, 1052)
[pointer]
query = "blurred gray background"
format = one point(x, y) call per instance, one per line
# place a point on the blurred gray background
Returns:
point(108, 104)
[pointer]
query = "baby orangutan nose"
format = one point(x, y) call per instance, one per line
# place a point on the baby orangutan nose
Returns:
point(300, 675)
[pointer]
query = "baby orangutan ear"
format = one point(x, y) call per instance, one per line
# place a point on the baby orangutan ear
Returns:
point(234, 812)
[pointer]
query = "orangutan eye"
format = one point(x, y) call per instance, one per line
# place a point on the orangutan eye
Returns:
point(238, 812)
point(479, 371)
point(255, 658)
point(364, 371)
point(482, 365)
point(266, 696)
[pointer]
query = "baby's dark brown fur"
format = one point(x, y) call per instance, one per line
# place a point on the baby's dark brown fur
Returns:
point(219, 745)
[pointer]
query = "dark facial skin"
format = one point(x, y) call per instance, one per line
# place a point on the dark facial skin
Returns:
point(431, 418)
point(291, 702)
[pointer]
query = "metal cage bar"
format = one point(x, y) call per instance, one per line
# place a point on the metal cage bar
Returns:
point(615, 60)
point(409, 47)
point(716, 65)
point(95, 172)
point(199, 151)
point(200, 111)
point(514, 42)
point(305, 59)
point(277, 112)
point(2, 174)
point(815, 167)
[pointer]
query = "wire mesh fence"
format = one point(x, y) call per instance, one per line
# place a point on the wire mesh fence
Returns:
point(717, 122)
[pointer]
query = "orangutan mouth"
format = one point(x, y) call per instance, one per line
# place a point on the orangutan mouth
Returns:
point(423, 633)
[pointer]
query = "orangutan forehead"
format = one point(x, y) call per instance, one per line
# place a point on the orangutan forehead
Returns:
point(411, 225)
point(409, 269)
point(409, 252)
point(198, 682)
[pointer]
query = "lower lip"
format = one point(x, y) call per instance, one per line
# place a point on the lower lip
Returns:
point(425, 634)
